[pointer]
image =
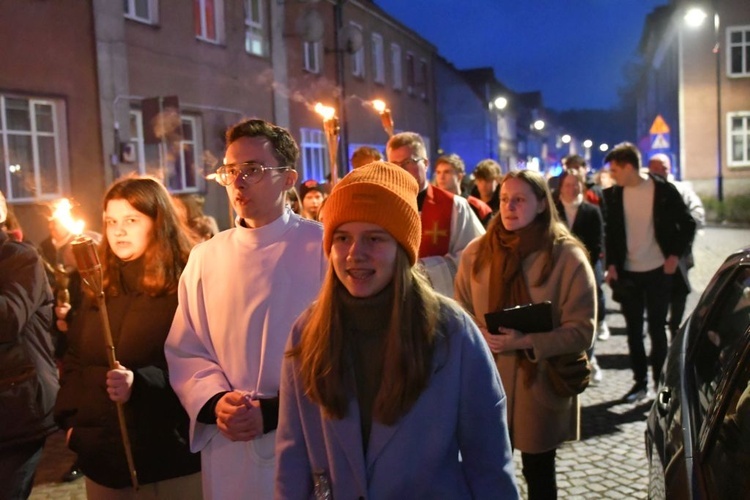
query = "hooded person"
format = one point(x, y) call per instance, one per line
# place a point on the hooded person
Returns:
point(380, 353)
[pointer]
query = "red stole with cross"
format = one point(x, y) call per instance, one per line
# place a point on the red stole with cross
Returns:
point(436, 222)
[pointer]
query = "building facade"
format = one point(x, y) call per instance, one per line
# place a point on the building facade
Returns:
point(698, 80)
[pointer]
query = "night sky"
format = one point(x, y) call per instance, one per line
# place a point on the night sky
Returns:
point(573, 51)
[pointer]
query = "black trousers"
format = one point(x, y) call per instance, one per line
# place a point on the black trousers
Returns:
point(539, 472)
point(651, 292)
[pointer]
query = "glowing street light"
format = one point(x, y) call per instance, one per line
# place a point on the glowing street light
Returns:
point(500, 103)
point(385, 116)
point(539, 125)
point(694, 18)
point(603, 147)
point(588, 143)
point(332, 129)
point(566, 139)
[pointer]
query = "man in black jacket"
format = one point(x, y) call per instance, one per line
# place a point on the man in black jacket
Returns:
point(648, 229)
point(28, 375)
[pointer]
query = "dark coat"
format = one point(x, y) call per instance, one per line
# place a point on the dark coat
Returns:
point(588, 227)
point(157, 423)
point(28, 375)
point(674, 227)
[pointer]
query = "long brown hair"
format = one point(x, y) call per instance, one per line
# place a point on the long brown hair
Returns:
point(323, 347)
point(556, 231)
point(168, 251)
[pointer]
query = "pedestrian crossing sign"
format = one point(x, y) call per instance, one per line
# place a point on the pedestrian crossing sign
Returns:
point(660, 141)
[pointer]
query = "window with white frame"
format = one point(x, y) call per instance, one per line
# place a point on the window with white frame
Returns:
point(181, 167)
point(209, 20)
point(145, 11)
point(255, 37)
point(739, 138)
point(378, 63)
point(311, 51)
point(314, 154)
point(32, 148)
point(396, 66)
point(358, 57)
point(738, 55)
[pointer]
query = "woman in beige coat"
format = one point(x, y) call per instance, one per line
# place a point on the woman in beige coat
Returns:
point(529, 256)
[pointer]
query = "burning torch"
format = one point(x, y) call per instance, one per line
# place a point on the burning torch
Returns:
point(385, 116)
point(331, 126)
point(87, 260)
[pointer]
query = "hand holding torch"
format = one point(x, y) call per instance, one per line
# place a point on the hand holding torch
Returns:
point(90, 269)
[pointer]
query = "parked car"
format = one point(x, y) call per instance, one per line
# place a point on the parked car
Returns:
point(698, 431)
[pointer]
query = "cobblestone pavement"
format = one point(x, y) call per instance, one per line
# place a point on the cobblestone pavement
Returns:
point(608, 462)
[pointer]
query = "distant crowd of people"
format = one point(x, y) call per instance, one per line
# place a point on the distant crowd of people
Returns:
point(334, 343)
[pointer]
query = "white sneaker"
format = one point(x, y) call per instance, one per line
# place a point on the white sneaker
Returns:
point(602, 331)
point(597, 374)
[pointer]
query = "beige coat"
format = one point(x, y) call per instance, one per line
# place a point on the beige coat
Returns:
point(538, 419)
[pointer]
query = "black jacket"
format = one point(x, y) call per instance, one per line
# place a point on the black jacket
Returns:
point(28, 375)
point(674, 227)
point(587, 227)
point(157, 423)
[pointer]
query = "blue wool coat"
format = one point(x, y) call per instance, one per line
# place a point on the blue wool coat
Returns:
point(462, 409)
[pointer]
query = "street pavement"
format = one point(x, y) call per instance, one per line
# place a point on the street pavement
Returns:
point(608, 462)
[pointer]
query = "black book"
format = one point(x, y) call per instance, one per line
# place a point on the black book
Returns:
point(529, 318)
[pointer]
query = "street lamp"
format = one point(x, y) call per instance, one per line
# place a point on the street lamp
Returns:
point(501, 103)
point(566, 139)
point(539, 125)
point(587, 149)
point(603, 147)
point(695, 17)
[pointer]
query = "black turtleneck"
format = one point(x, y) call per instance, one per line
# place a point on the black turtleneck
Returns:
point(366, 322)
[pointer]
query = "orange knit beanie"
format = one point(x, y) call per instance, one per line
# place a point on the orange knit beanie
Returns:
point(380, 193)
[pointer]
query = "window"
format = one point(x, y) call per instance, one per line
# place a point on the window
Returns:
point(739, 138)
point(378, 64)
point(145, 11)
point(209, 20)
point(738, 41)
point(314, 154)
point(312, 56)
point(424, 79)
point(255, 39)
point(410, 83)
point(181, 168)
point(396, 66)
point(31, 148)
point(358, 57)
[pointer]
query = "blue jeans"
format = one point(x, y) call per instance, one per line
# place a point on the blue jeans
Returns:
point(652, 293)
point(17, 469)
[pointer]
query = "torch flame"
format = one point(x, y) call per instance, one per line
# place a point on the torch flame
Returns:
point(326, 112)
point(379, 105)
point(62, 212)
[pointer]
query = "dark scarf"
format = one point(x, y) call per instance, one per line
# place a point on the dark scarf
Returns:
point(366, 322)
point(508, 250)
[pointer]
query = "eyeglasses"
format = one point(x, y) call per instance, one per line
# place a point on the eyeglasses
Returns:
point(248, 171)
point(408, 161)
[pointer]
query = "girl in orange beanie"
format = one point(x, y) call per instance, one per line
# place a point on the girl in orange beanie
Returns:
point(386, 381)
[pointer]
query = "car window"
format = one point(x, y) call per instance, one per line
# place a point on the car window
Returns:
point(727, 455)
point(716, 346)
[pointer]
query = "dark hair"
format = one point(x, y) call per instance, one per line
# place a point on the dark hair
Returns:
point(625, 153)
point(575, 160)
point(166, 255)
point(454, 161)
point(285, 148)
point(487, 170)
point(364, 155)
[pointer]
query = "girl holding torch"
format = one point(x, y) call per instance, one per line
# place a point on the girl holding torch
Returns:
point(142, 255)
